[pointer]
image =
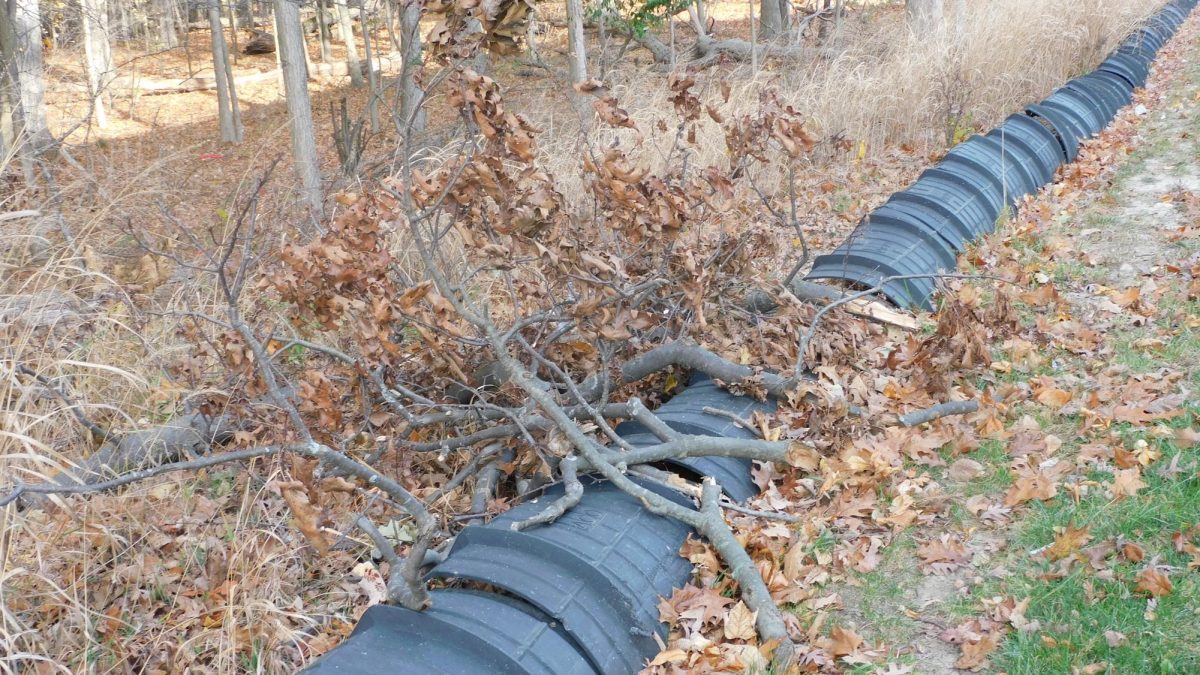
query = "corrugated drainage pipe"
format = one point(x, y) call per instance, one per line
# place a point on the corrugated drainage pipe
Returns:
point(579, 595)
point(957, 201)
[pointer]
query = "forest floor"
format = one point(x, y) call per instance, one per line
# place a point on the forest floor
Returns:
point(1064, 540)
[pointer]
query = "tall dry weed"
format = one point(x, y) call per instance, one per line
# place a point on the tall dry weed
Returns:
point(886, 86)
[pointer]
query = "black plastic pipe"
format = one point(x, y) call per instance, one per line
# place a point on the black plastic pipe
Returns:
point(960, 199)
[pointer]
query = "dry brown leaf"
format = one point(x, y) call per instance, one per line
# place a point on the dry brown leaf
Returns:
point(1124, 459)
point(1127, 483)
point(1054, 397)
point(1069, 540)
point(308, 516)
point(963, 470)
point(974, 654)
point(666, 656)
point(1153, 582)
point(1044, 295)
point(844, 641)
point(1115, 639)
point(1133, 552)
point(739, 623)
point(1187, 437)
point(943, 555)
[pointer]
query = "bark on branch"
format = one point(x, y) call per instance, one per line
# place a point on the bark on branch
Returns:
point(938, 411)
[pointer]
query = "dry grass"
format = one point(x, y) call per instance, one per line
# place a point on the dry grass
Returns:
point(205, 572)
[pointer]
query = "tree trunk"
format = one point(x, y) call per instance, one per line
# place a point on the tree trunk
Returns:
point(227, 110)
point(290, 37)
point(372, 76)
point(323, 31)
point(233, 29)
point(577, 57)
point(166, 23)
point(925, 17)
point(27, 28)
point(94, 22)
point(347, 31)
point(770, 21)
point(412, 114)
point(9, 101)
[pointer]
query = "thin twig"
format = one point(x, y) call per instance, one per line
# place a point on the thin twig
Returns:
point(733, 417)
point(99, 433)
point(573, 493)
point(144, 474)
point(938, 411)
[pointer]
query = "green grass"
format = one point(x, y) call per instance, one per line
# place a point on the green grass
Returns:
point(1180, 351)
point(994, 457)
point(1075, 611)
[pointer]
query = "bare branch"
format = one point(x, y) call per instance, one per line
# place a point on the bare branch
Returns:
point(571, 497)
point(99, 433)
point(938, 411)
point(136, 476)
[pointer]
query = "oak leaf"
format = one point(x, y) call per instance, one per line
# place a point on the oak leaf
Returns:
point(308, 516)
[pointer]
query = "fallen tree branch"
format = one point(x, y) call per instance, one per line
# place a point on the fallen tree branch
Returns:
point(142, 450)
point(709, 522)
point(686, 446)
point(23, 489)
point(99, 434)
point(938, 411)
point(771, 515)
point(15, 215)
point(692, 356)
point(808, 291)
point(740, 421)
point(806, 339)
point(573, 493)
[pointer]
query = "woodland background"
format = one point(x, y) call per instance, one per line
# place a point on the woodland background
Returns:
point(275, 325)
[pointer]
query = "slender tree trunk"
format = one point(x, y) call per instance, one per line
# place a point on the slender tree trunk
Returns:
point(531, 35)
point(754, 40)
point(323, 31)
point(27, 28)
point(960, 19)
point(483, 62)
point(227, 110)
point(233, 29)
point(577, 58)
point(372, 76)
point(347, 31)
point(290, 36)
point(925, 17)
point(696, 17)
point(166, 22)
point(412, 114)
point(770, 23)
point(93, 16)
point(123, 32)
point(9, 94)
